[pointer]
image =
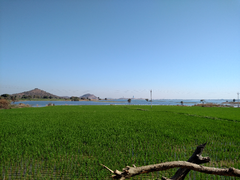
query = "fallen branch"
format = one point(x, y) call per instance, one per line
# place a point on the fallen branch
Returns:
point(192, 164)
point(133, 171)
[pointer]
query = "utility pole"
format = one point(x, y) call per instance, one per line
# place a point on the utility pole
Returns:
point(151, 97)
point(238, 99)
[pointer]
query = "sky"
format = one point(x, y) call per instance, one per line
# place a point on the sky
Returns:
point(186, 49)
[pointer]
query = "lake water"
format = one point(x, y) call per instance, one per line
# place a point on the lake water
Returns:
point(188, 102)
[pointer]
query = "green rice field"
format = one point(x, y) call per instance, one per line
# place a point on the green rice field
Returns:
point(70, 142)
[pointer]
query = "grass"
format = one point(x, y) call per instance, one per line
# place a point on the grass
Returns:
point(225, 113)
point(71, 141)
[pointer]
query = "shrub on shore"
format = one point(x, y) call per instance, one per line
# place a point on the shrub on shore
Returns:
point(5, 104)
point(209, 105)
point(21, 105)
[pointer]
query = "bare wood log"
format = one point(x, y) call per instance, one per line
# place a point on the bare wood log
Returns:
point(192, 164)
point(133, 171)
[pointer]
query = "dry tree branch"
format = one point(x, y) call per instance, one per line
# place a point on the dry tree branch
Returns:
point(192, 164)
point(133, 171)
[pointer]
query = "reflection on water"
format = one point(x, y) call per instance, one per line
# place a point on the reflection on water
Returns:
point(187, 102)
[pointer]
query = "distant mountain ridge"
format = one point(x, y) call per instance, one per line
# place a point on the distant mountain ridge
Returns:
point(37, 93)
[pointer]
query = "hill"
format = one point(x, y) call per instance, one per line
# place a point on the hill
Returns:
point(36, 93)
point(89, 96)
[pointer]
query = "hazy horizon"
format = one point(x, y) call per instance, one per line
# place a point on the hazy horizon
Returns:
point(144, 98)
point(179, 49)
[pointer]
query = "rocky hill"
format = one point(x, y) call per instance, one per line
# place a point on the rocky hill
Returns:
point(36, 93)
point(89, 96)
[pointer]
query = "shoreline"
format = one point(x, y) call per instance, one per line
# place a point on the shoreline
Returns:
point(230, 102)
point(52, 100)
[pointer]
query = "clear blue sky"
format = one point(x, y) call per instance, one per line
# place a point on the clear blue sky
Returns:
point(121, 48)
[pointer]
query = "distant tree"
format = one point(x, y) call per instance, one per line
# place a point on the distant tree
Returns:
point(50, 97)
point(146, 99)
point(13, 98)
point(234, 100)
point(129, 100)
point(82, 98)
point(45, 97)
point(181, 103)
point(24, 96)
point(73, 98)
point(29, 97)
point(5, 96)
point(202, 101)
point(99, 98)
point(105, 99)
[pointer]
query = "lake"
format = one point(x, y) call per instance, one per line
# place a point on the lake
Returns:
point(187, 102)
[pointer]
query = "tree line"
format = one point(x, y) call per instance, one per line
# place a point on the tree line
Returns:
point(15, 98)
